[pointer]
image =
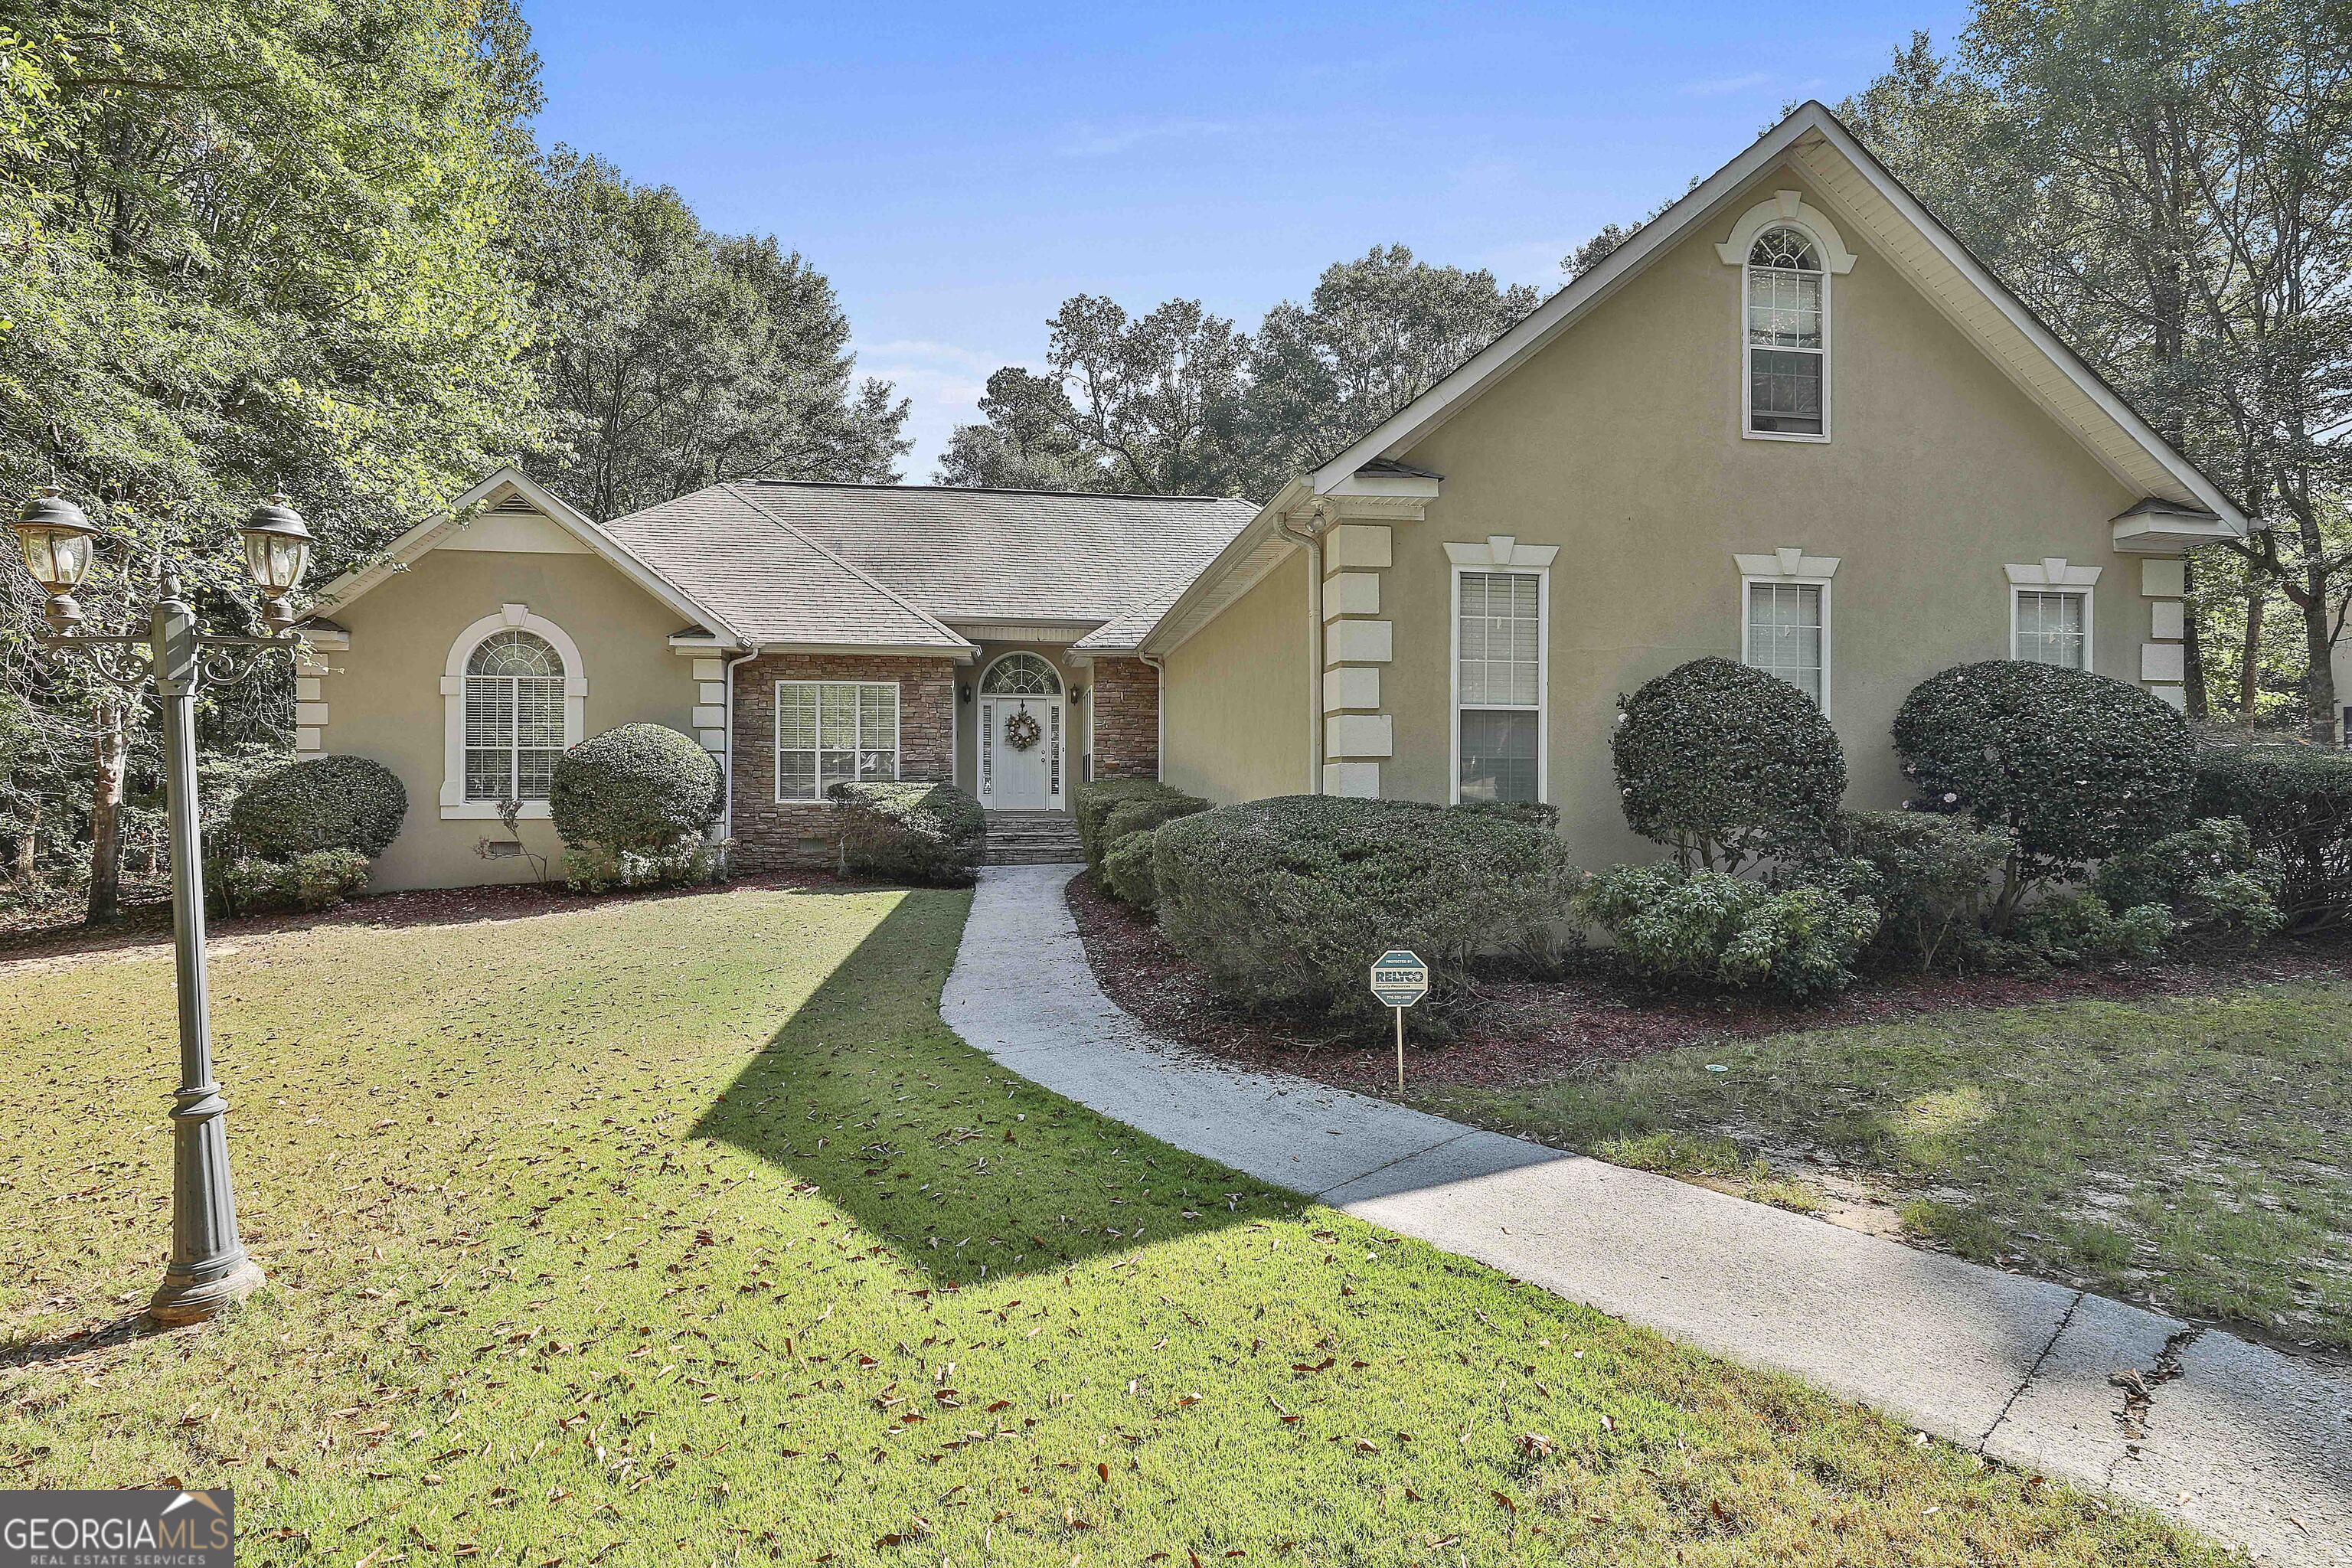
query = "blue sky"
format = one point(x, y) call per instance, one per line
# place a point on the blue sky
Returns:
point(958, 170)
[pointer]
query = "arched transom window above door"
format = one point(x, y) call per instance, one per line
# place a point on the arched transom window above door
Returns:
point(1020, 675)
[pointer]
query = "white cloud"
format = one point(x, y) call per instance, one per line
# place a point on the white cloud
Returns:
point(1723, 87)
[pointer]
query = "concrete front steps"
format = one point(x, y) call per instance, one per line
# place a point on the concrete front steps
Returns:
point(1032, 839)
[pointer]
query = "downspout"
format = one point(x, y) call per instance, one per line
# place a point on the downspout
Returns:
point(1312, 541)
point(727, 812)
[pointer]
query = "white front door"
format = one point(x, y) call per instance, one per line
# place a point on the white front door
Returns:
point(1020, 753)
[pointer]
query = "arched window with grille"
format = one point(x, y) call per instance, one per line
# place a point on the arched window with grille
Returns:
point(1020, 675)
point(514, 717)
point(1786, 335)
point(515, 692)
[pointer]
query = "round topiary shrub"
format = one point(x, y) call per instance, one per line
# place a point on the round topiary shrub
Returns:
point(2077, 766)
point(639, 787)
point(1724, 764)
point(323, 802)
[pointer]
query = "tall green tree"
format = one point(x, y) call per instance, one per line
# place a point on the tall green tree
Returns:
point(248, 244)
point(1177, 401)
point(672, 358)
point(2169, 183)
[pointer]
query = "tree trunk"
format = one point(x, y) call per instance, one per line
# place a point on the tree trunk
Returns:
point(106, 817)
point(2250, 656)
point(2319, 679)
point(29, 846)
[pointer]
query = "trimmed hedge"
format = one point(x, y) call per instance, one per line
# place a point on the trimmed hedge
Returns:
point(1724, 764)
point(1285, 904)
point(314, 879)
point(2297, 804)
point(640, 787)
point(1096, 801)
point(1127, 871)
point(1141, 814)
point(319, 803)
point(2077, 766)
point(1669, 924)
point(929, 833)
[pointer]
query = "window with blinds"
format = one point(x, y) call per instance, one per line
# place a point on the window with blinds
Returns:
point(1788, 342)
point(1786, 625)
point(1498, 677)
point(2053, 627)
point(514, 718)
point(833, 732)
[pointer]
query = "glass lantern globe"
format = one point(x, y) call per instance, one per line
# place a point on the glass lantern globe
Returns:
point(56, 537)
point(277, 547)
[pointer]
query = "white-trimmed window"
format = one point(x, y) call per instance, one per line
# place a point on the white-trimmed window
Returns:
point(1784, 617)
point(1498, 626)
point(2050, 612)
point(833, 732)
point(514, 696)
point(514, 717)
point(2051, 625)
point(1788, 342)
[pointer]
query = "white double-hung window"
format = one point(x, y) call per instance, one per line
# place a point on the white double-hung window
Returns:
point(1784, 617)
point(1499, 685)
point(833, 732)
point(2050, 612)
point(1787, 336)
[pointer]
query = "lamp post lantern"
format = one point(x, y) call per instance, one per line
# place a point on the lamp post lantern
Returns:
point(175, 660)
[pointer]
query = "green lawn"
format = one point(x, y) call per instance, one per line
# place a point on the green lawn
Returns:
point(2194, 1151)
point(683, 1232)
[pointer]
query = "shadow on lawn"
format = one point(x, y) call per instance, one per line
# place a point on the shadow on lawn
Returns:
point(966, 1170)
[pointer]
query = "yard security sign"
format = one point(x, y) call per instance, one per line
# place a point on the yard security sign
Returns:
point(1400, 979)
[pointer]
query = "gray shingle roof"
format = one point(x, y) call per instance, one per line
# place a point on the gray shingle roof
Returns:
point(887, 564)
point(771, 583)
point(985, 555)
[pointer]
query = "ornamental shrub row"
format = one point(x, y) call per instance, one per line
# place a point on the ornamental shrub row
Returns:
point(2297, 804)
point(928, 833)
point(1285, 903)
point(1118, 818)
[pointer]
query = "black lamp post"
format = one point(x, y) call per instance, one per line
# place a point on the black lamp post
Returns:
point(175, 660)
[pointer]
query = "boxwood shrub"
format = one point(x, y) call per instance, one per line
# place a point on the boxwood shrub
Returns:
point(639, 787)
point(1932, 877)
point(320, 803)
point(1724, 764)
point(2297, 804)
point(1285, 904)
point(2077, 766)
point(1127, 874)
point(928, 833)
point(1678, 925)
point(1097, 799)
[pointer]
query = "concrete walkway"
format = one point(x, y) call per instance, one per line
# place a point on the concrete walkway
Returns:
point(2250, 1445)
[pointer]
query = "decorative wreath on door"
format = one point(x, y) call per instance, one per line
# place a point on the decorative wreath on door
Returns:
point(1021, 730)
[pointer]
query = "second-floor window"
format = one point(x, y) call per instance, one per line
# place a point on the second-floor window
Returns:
point(1787, 336)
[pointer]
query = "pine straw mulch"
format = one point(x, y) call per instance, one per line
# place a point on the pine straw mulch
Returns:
point(1530, 1031)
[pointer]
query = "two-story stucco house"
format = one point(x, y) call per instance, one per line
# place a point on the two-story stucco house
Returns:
point(1790, 421)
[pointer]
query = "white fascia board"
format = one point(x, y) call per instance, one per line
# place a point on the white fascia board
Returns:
point(962, 654)
point(421, 539)
point(1411, 487)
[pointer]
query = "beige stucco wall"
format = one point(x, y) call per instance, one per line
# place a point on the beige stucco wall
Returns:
point(384, 696)
point(1234, 695)
point(1621, 443)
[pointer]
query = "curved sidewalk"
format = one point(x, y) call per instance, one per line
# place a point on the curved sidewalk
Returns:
point(2247, 1444)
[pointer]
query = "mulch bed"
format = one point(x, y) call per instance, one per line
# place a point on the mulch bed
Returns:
point(1529, 1031)
point(149, 923)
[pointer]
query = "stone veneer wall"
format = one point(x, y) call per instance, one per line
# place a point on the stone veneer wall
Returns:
point(1126, 694)
point(772, 834)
